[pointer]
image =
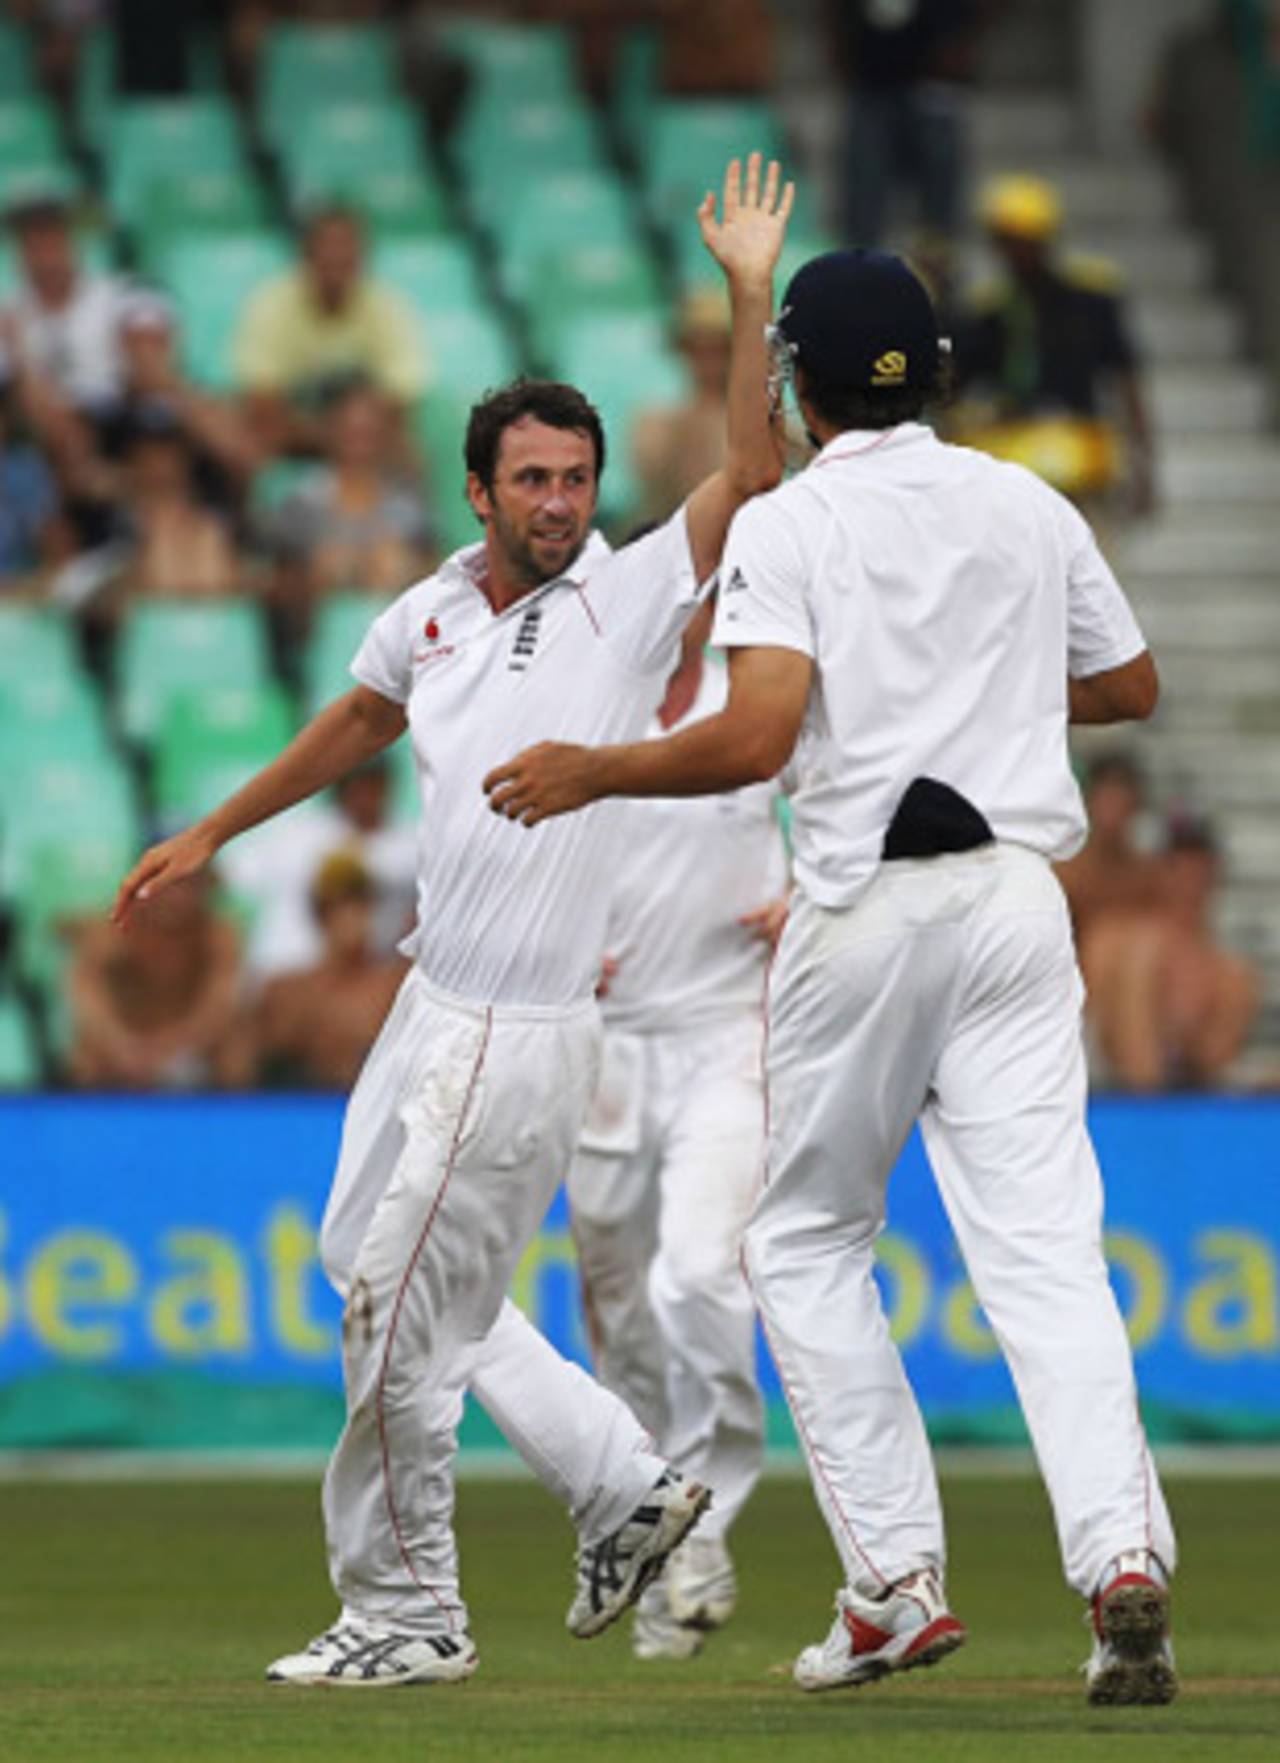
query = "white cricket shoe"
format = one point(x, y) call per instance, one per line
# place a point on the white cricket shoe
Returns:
point(702, 1587)
point(613, 1572)
point(908, 1625)
point(1132, 1659)
point(354, 1656)
point(657, 1634)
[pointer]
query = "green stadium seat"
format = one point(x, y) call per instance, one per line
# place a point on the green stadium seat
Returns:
point(306, 66)
point(340, 625)
point(560, 214)
point(587, 278)
point(217, 202)
point(53, 803)
point(430, 272)
point(56, 713)
point(167, 649)
point(391, 203)
point(17, 75)
point(689, 143)
point(211, 276)
point(517, 61)
point(33, 181)
point(371, 155)
point(537, 135)
point(157, 144)
point(471, 350)
point(95, 99)
point(19, 1058)
point(34, 639)
point(207, 731)
point(440, 426)
point(623, 364)
point(637, 81)
point(28, 132)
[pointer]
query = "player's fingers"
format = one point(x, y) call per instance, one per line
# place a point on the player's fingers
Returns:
point(501, 774)
point(771, 186)
point(137, 885)
point(788, 202)
point(753, 180)
point(732, 188)
point(707, 217)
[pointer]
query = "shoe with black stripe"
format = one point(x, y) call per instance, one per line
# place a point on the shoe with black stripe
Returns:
point(613, 1572)
point(353, 1656)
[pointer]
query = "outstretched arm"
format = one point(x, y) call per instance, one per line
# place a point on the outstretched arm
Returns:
point(344, 734)
point(745, 241)
point(748, 742)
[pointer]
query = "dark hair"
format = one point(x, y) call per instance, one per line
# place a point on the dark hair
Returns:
point(878, 407)
point(328, 213)
point(1190, 832)
point(549, 401)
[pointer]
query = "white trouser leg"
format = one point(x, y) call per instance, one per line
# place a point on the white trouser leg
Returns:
point(489, 1105)
point(1007, 1139)
point(712, 1154)
point(613, 1204)
point(584, 1444)
point(854, 1007)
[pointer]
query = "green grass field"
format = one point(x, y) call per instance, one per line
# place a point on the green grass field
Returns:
point(135, 1620)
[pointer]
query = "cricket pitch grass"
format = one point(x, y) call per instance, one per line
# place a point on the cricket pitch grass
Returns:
point(136, 1620)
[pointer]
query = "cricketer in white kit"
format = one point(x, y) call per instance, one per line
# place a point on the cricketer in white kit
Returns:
point(669, 1163)
point(467, 1111)
point(919, 623)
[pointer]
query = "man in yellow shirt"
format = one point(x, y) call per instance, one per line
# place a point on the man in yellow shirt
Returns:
point(324, 321)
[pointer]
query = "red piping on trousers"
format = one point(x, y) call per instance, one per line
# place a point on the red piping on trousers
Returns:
point(379, 1401)
point(810, 1449)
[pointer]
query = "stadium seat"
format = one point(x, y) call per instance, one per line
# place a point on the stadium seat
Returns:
point(587, 277)
point(158, 143)
point(34, 639)
point(307, 66)
point(470, 350)
point(538, 136)
point(206, 732)
point(430, 272)
point(557, 214)
point(636, 83)
point(370, 155)
point(340, 625)
point(211, 276)
point(53, 712)
point(218, 202)
point(623, 364)
point(28, 132)
point(95, 99)
point(17, 76)
point(516, 61)
point(19, 1059)
point(688, 144)
point(51, 803)
point(167, 649)
point(440, 425)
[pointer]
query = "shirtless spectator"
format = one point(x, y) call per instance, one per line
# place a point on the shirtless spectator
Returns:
point(176, 544)
point(353, 523)
point(1110, 875)
point(316, 1025)
point(157, 1009)
point(1168, 1007)
point(675, 446)
point(321, 324)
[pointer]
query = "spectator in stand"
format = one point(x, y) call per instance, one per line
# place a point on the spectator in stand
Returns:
point(173, 543)
point(1111, 876)
point(320, 324)
point(34, 536)
point(59, 337)
point(314, 1026)
point(272, 869)
point(1169, 1008)
point(158, 1009)
point(675, 446)
point(1049, 342)
point(354, 523)
point(908, 64)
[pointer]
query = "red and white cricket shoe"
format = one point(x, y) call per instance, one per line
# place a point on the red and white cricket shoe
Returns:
point(1132, 1659)
point(907, 1625)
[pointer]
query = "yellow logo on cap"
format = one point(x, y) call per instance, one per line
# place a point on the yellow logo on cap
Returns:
point(890, 369)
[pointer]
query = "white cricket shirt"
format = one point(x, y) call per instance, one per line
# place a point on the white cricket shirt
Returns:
point(506, 913)
point(695, 865)
point(944, 597)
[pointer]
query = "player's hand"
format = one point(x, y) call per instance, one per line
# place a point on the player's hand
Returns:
point(552, 778)
point(159, 868)
point(746, 238)
point(768, 922)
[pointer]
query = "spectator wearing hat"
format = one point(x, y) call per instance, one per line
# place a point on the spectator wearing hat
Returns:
point(675, 446)
point(1050, 339)
point(314, 1026)
point(1169, 1007)
point(317, 325)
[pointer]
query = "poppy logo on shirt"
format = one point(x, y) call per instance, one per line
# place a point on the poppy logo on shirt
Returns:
point(889, 369)
point(431, 631)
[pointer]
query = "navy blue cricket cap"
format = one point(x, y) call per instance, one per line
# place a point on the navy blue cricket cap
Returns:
point(861, 321)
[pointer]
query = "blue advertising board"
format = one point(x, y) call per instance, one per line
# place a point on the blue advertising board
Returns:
point(159, 1283)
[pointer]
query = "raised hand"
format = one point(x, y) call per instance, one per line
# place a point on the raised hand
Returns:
point(160, 867)
point(746, 237)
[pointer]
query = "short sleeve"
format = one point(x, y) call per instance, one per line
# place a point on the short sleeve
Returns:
point(644, 594)
point(384, 660)
point(762, 602)
point(1102, 631)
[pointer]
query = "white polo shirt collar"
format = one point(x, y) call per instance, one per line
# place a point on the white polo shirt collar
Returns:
point(873, 443)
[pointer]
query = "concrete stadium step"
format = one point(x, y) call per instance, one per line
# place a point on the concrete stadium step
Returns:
point(1190, 330)
point(1165, 587)
point(1221, 628)
point(1013, 128)
point(1152, 260)
point(1192, 469)
point(1191, 549)
point(1105, 193)
point(1227, 399)
point(1033, 45)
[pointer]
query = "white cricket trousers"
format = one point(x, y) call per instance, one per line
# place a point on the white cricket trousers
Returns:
point(662, 1185)
point(948, 992)
point(461, 1124)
